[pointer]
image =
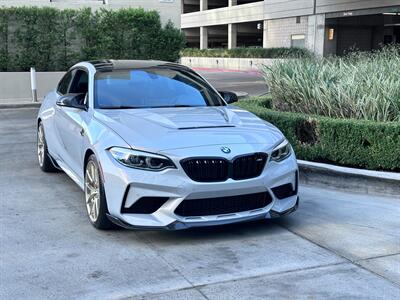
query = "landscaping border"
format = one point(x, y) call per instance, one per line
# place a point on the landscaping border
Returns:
point(344, 142)
point(349, 179)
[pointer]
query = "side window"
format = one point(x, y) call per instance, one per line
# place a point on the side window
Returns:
point(298, 40)
point(64, 83)
point(79, 83)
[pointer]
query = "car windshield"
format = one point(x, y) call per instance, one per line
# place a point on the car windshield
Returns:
point(151, 88)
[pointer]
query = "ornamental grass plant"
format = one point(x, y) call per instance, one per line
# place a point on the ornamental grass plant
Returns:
point(360, 85)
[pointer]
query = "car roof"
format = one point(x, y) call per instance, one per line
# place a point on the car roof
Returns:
point(110, 64)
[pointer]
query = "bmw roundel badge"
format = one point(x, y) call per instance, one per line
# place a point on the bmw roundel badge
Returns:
point(226, 150)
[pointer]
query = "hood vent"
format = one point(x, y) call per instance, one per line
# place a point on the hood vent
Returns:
point(202, 127)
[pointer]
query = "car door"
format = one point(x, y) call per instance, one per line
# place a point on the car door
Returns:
point(69, 123)
point(54, 143)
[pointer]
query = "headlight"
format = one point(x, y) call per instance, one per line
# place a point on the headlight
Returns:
point(281, 151)
point(141, 160)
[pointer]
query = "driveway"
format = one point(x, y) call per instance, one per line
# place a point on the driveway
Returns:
point(252, 83)
point(337, 245)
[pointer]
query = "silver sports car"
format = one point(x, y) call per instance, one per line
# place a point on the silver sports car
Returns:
point(154, 145)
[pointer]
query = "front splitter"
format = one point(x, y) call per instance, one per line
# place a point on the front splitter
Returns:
point(178, 225)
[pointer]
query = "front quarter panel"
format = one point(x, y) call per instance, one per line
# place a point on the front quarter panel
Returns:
point(100, 138)
point(46, 115)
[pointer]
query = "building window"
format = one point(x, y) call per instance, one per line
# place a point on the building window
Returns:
point(298, 40)
point(331, 34)
point(298, 20)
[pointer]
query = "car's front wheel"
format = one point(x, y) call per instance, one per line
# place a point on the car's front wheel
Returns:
point(96, 204)
point(45, 162)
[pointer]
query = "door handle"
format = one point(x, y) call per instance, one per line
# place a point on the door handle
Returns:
point(82, 132)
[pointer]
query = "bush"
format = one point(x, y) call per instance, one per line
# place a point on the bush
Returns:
point(360, 85)
point(50, 39)
point(250, 52)
point(354, 143)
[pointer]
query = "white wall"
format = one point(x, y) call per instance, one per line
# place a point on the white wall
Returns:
point(16, 86)
point(220, 16)
point(326, 6)
point(279, 32)
point(282, 9)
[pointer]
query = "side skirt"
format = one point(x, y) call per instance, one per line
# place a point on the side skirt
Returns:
point(71, 174)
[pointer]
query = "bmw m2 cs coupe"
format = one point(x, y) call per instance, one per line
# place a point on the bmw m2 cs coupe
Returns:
point(154, 145)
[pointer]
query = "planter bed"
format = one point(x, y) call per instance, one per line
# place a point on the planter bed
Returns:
point(346, 142)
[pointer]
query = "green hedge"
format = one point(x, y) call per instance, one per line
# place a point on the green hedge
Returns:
point(248, 52)
point(348, 142)
point(51, 39)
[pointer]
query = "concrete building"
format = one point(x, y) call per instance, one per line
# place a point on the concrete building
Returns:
point(323, 26)
point(168, 9)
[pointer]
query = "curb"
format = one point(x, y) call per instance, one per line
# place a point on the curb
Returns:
point(20, 105)
point(350, 179)
point(241, 95)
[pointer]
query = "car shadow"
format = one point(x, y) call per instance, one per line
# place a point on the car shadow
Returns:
point(238, 231)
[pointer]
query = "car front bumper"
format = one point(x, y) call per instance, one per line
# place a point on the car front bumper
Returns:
point(124, 186)
point(179, 225)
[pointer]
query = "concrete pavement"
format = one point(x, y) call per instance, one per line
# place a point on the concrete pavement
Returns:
point(337, 245)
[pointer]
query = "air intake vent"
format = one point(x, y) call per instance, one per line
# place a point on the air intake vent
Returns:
point(205, 127)
point(286, 190)
point(223, 205)
point(145, 205)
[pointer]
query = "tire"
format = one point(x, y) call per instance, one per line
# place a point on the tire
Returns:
point(44, 158)
point(95, 197)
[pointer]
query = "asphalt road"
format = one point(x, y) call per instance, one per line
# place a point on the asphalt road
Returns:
point(336, 246)
point(252, 83)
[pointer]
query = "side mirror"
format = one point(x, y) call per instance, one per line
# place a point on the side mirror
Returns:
point(229, 97)
point(72, 100)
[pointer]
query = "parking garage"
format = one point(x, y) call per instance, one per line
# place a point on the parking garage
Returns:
point(248, 34)
point(324, 27)
point(361, 30)
point(217, 31)
point(189, 6)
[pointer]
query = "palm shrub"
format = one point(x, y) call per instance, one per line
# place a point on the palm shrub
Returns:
point(361, 85)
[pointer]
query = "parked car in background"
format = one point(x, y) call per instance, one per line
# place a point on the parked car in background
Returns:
point(154, 145)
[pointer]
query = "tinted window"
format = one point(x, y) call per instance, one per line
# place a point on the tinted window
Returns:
point(79, 83)
point(153, 87)
point(64, 83)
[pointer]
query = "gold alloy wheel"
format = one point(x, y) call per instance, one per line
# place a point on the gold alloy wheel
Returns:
point(40, 145)
point(92, 191)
